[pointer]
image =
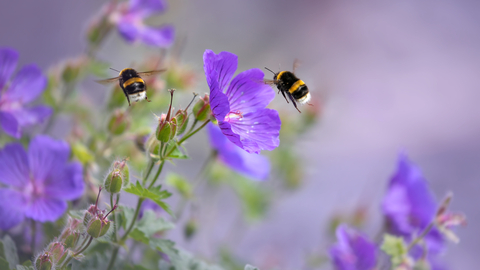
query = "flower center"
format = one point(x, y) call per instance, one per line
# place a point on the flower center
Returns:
point(233, 116)
point(33, 190)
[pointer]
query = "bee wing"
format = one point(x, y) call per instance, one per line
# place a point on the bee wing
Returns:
point(296, 64)
point(153, 72)
point(270, 82)
point(107, 81)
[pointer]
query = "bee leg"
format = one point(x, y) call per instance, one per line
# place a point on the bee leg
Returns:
point(147, 99)
point(283, 93)
point(293, 101)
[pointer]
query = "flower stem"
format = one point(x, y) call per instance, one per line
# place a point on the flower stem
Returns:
point(421, 236)
point(160, 168)
point(114, 216)
point(149, 170)
point(78, 252)
point(34, 234)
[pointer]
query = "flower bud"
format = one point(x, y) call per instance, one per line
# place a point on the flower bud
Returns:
point(119, 177)
point(164, 130)
point(98, 227)
point(44, 262)
point(153, 147)
point(71, 233)
point(57, 251)
point(201, 109)
point(182, 121)
point(118, 123)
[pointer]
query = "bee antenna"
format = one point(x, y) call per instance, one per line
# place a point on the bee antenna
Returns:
point(270, 70)
point(115, 70)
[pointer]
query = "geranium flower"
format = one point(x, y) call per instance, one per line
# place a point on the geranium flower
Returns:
point(130, 18)
point(410, 206)
point(27, 85)
point(353, 251)
point(249, 165)
point(39, 182)
point(239, 104)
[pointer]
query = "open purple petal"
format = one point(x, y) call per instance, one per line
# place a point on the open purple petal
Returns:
point(146, 7)
point(218, 100)
point(225, 65)
point(14, 166)
point(247, 92)
point(251, 165)
point(158, 36)
point(10, 124)
point(67, 184)
point(30, 116)
point(27, 85)
point(258, 130)
point(46, 156)
point(128, 29)
point(353, 251)
point(45, 209)
point(12, 207)
point(8, 62)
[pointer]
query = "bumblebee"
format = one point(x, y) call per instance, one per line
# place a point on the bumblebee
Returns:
point(132, 84)
point(289, 85)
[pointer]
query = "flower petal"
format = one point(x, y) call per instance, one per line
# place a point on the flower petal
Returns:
point(32, 116)
point(12, 208)
point(251, 165)
point(10, 124)
point(257, 130)
point(160, 37)
point(27, 85)
point(218, 100)
point(45, 209)
point(225, 65)
point(67, 184)
point(146, 7)
point(353, 250)
point(247, 92)
point(8, 62)
point(14, 165)
point(47, 157)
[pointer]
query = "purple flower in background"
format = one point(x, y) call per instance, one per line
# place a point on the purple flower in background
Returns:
point(130, 23)
point(353, 251)
point(149, 205)
point(239, 104)
point(410, 206)
point(40, 181)
point(250, 165)
point(27, 85)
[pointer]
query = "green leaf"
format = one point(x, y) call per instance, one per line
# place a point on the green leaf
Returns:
point(250, 267)
point(4, 264)
point(176, 153)
point(23, 267)
point(180, 184)
point(395, 247)
point(182, 260)
point(27, 263)
point(9, 251)
point(148, 226)
point(155, 194)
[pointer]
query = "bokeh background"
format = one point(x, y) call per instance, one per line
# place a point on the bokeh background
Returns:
point(392, 76)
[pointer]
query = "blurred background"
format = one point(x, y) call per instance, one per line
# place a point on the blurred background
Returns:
point(391, 76)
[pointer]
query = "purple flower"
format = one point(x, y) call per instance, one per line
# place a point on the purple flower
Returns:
point(130, 23)
point(27, 85)
point(353, 251)
point(250, 165)
point(410, 206)
point(40, 181)
point(239, 104)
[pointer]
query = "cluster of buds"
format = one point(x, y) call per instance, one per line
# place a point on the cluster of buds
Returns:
point(96, 221)
point(119, 177)
point(61, 248)
point(167, 125)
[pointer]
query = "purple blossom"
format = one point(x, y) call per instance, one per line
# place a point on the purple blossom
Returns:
point(410, 206)
point(27, 85)
point(39, 182)
point(239, 104)
point(250, 165)
point(130, 23)
point(149, 205)
point(353, 251)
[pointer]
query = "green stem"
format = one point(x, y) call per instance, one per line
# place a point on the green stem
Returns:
point(160, 168)
point(130, 227)
point(193, 125)
point(421, 236)
point(114, 216)
point(189, 134)
point(149, 170)
point(34, 234)
point(78, 252)
point(112, 259)
point(83, 243)
point(85, 247)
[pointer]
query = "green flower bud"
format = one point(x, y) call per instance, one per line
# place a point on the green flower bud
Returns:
point(174, 128)
point(57, 252)
point(164, 130)
point(98, 227)
point(113, 182)
point(71, 233)
point(182, 121)
point(44, 262)
point(201, 109)
point(118, 123)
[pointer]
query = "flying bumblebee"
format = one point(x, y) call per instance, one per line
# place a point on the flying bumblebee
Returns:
point(132, 84)
point(291, 86)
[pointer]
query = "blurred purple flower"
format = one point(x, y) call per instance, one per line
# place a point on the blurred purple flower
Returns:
point(353, 251)
point(40, 181)
point(239, 104)
point(149, 205)
point(27, 85)
point(410, 206)
point(130, 23)
point(250, 165)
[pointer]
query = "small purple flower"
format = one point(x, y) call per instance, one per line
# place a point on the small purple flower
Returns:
point(410, 206)
point(130, 23)
point(239, 104)
point(250, 165)
point(40, 181)
point(27, 85)
point(149, 205)
point(353, 251)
